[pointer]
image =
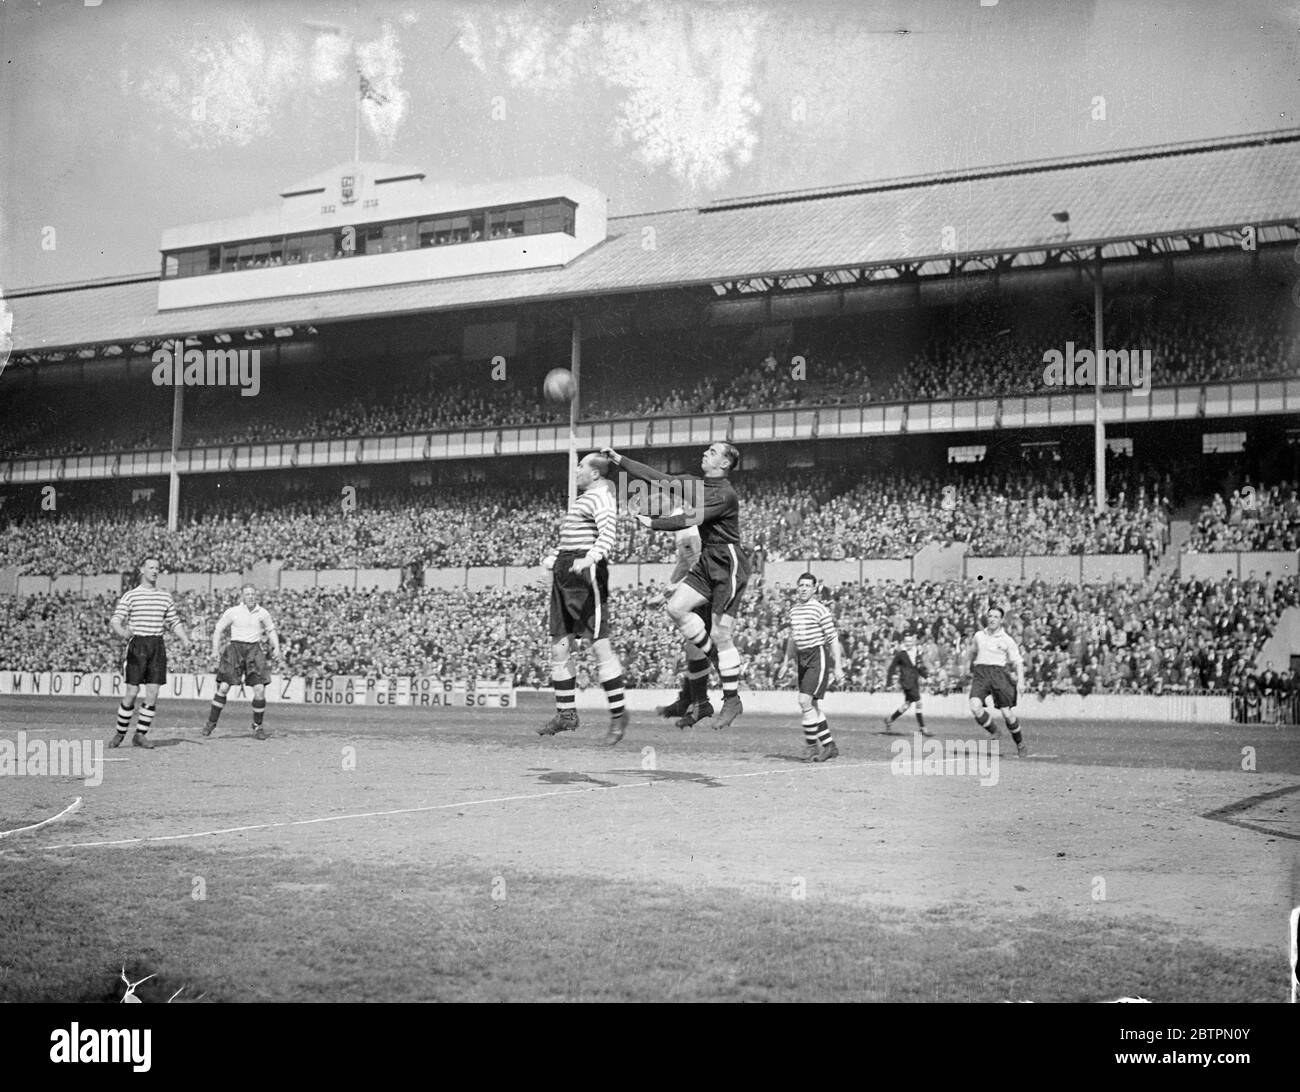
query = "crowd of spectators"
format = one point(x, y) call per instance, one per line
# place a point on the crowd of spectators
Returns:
point(976, 352)
point(1033, 509)
point(1160, 637)
point(1252, 518)
point(1199, 342)
point(1039, 509)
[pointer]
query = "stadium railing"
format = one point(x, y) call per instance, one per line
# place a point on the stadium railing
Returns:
point(1189, 402)
point(1070, 568)
point(1215, 566)
point(1256, 708)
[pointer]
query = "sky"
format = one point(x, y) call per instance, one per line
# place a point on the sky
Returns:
point(119, 118)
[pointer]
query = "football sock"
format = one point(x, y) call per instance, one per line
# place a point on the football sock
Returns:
point(920, 718)
point(259, 711)
point(214, 711)
point(614, 694)
point(896, 714)
point(565, 689)
point(983, 720)
point(695, 631)
point(729, 669)
point(810, 721)
point(611, 678)
point(124, 714)
point(824, 733)
point(145, 719)
point(684, 692)
point(1013, 726)
point(697, 683)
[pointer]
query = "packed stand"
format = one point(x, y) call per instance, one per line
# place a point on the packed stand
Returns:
point(1251, 518)
point(1166, 637)
point(986, 347)
point(1027, 510)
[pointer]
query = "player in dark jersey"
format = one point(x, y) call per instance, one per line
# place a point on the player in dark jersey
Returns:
point(910, 667)
point(718, 578)
point(692, 702)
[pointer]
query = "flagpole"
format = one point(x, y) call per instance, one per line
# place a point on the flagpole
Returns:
point(356, 128)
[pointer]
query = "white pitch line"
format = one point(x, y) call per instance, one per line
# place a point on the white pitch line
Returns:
point(424, 808)
point(36, 826)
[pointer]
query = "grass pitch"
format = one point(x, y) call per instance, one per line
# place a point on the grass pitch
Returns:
point(395, 855)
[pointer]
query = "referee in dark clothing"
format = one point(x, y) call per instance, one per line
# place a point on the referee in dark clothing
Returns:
point(910, 667)
point(141, 616)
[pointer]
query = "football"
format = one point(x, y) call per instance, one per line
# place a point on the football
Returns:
point(559, 385)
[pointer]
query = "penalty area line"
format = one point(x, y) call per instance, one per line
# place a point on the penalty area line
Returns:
point(44, 822)
point(519, 798)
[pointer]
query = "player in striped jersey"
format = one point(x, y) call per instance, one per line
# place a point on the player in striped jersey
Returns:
point(141, 617)
point(814, 646)
point(580, 597)
point(243, 660)
point(992, 650)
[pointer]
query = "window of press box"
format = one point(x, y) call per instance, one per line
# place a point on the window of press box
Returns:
point(470, 227)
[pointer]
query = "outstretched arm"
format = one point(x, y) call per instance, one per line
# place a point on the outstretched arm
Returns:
point(635, 469)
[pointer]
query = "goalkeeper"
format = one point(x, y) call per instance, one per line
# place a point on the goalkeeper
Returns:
point(692, 704)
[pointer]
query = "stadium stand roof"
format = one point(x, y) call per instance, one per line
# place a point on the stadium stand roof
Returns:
point(1145, 193)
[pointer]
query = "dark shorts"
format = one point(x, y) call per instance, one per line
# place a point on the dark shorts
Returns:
point(720, 575)
point(146, 661)
point(579, 601)
point(243, 662)
point(814, 671)
point(912, 694)
point(987, 679)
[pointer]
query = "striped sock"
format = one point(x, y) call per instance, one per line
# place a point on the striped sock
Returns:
point(729, 669)
point(1013, 726)
point(823, 733)
point(810, 728)
point(259, 711)
point(695, 631)
point(214, 710)
point(614, 694)
point(983, 720)
point(697, 681)
point(920, 718)
point(145, 719)
point(610, 673)
point(565, 692)
point(124, 714)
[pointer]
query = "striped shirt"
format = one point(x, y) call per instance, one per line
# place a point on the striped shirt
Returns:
point(247, 625)
point(811, 625)
point(591, 522)
point(149, 612)
point(995, 650)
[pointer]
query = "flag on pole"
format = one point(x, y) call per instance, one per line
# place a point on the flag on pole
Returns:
point(368, 91)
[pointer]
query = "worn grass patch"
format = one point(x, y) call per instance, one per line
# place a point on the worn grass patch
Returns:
point(283, 928)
